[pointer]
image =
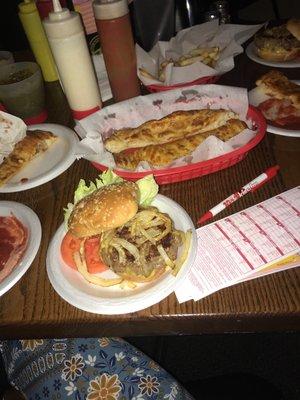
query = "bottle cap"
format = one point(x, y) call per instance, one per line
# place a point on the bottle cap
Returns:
point(59, 12)
point(110, 9)
point(28, 6)
point(62, 22)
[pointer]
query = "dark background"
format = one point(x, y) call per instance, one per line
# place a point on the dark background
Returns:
point(158, 19)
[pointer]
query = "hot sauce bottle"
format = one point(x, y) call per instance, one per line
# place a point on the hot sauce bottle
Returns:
point(66, 36)
point(116, 39)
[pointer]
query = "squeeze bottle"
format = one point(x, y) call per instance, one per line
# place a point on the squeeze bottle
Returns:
point(66, 36)
point(45, 6)
point(116, 40)
point(31, 21)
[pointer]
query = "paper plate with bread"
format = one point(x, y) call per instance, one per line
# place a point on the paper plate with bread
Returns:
point(33, 155)
point(277, 46)
point(278, 98)
point(122, 248)
point(175, 135)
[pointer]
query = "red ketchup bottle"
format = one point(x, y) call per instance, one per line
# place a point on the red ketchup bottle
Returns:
point(116, 39)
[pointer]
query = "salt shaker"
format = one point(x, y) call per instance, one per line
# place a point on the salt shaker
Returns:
point(221, 6)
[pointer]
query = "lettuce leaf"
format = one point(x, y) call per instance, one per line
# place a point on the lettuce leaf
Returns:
point(147, 186)
point(107, 178)
point(148, 190)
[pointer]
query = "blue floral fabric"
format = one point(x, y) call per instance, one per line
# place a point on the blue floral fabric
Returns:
point(86, 368)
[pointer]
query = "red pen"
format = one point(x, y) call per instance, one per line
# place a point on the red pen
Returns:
point(249, 187)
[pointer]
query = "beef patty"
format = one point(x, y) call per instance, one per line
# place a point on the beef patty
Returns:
point(121, 260)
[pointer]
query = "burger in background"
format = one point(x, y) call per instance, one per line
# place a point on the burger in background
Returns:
point(280, 43)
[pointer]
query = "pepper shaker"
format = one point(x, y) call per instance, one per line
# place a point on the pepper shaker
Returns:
point(221, 6)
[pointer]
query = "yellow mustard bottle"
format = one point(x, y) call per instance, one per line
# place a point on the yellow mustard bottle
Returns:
point(37, 38)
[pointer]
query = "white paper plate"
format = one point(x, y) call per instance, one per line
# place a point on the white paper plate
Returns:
point(48, 165)
point(255, 98)
point(31, 221)
point(282, 131)
point(281, 64)
point(73, 288)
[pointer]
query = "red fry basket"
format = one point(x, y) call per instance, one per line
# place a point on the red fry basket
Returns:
point(195, 170)
point(199, 81)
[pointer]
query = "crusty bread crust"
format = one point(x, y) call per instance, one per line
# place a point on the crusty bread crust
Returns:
point(32, 145)
point(276, 84)
point(176, 125)
point(158, 156)
point(107, 208)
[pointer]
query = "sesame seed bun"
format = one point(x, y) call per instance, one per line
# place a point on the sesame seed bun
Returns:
point(280, 43)
point(280, 54)
point(107, 208)
point(293, 26)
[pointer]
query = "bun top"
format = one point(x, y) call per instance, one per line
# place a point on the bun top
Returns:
point(107, 208)
point(293, 26)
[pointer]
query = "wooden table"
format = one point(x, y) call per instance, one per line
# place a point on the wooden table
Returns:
point(33, 309)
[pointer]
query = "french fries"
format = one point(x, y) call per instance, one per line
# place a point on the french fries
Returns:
point(162, 69)
point(146, 74)
point(206, 55)
point(187, 238)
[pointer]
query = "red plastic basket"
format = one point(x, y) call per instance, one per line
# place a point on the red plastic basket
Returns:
point(199, 81)
point(191, 171)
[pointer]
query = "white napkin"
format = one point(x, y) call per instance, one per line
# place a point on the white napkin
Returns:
point(132, 113)
point(12, 130)
point(228, 37)
point(102, 77)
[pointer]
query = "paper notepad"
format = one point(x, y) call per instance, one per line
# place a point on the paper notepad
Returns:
point(259, 240)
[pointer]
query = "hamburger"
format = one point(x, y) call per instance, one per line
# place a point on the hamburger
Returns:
point(136, 241)
point(280, 43)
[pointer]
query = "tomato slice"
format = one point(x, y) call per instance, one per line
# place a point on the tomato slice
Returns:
point(93, 260)
point(69, 245)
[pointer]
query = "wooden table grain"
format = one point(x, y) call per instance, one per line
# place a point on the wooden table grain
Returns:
point(271, 303)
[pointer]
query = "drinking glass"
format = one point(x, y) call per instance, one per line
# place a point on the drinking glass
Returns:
point(22, 91)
